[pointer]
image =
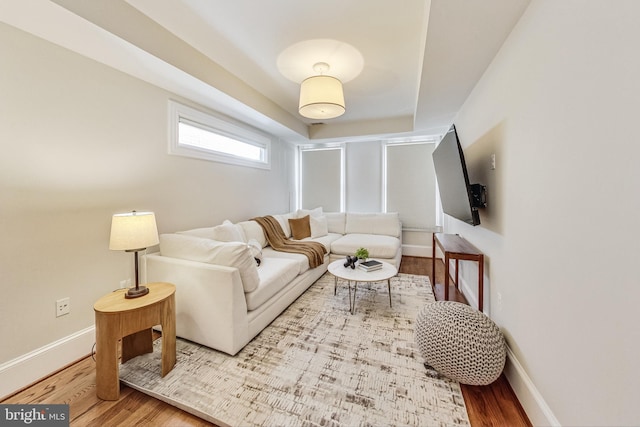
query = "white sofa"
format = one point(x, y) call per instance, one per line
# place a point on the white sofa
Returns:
point(224, 298)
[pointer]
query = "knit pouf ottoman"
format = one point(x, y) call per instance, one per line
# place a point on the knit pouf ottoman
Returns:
point(460, 342)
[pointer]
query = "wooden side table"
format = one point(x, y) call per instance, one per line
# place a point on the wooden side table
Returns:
point(455, 247)
point(131, 320)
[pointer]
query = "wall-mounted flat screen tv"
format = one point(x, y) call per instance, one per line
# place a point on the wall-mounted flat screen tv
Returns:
point(459, 199)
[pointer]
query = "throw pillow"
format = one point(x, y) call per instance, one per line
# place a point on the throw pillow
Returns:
point(205, 232)
point(318, 226)
point(256, 250)
point(311, 212)
point(300, 228)
point(252, 230)
point(283, 220)
point(228, 232)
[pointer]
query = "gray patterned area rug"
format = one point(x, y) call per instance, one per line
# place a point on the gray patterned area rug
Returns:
point(315, 365)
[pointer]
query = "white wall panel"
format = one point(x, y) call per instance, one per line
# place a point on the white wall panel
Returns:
point(410, 184)
point(560, 101)
point(80, 142)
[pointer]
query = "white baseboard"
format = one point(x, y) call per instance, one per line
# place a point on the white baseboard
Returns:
point(528, 395)
point(33, 366)
point(416, 250)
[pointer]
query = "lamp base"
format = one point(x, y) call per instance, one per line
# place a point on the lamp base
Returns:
point(136, 292)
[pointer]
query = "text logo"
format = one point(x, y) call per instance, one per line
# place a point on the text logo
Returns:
point(34, 415)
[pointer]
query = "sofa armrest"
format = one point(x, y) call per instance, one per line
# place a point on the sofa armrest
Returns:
point(210, 304)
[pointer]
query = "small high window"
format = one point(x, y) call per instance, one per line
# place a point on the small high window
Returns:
point(204, 136)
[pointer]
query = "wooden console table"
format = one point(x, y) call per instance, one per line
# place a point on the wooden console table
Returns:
point(455, 247)
point(131, 320)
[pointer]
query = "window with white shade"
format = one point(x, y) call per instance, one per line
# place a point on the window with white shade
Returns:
point(196, 134)
point(321, 178)
point(410, 183)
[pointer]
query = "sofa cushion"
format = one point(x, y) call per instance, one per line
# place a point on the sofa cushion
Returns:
point(301, 259)
point(230, 254)
point(379, 246)
point(275, 274)
point(229, 232)
point(325, 240)
point(373, 223)
point(336, 221)
point(252, 230)
point(300, 227)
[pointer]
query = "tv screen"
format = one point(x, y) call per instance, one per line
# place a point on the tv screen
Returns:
point(453, 180)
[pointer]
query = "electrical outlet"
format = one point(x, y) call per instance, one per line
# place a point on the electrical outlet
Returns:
point(63, 306)
point(126, 283)
point(499, 295)
point(492, 162)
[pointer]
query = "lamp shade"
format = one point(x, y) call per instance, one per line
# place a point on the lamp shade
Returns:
point(133, 231)
point(321, 97)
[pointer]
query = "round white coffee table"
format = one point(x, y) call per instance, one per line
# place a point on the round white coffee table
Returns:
point(356, 275)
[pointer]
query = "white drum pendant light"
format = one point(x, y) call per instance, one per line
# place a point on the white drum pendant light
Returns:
point(321, 97)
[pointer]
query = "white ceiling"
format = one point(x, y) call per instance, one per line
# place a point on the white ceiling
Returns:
point(421, 58)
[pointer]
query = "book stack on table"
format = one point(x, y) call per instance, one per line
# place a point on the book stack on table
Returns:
point(370, 265)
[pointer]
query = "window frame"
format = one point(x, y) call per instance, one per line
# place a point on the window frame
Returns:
point(219, 125)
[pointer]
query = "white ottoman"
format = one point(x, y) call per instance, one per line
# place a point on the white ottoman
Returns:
point(460, 342)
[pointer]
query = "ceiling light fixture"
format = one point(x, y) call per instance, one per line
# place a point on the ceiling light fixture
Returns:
point(321, 96)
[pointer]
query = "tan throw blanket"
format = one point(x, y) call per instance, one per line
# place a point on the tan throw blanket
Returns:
point(275, 236)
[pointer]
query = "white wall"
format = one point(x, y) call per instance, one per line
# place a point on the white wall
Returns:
point(80, 142)
point(560, 105)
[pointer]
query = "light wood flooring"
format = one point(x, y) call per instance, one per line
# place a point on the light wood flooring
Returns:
point(492, 405)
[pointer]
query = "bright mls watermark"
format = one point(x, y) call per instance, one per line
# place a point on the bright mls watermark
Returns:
point(34, 415)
